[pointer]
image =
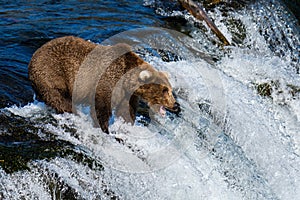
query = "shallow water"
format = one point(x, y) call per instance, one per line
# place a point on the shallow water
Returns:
point(231, 141)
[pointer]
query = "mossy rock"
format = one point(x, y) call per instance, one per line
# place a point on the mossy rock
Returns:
point(225, 4)
point(264, 89)
point(21, 143)
point(274, 87)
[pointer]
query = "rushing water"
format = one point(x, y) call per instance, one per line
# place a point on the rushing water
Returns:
point(236, 138)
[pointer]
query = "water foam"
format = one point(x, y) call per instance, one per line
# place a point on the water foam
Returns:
point(253, 152)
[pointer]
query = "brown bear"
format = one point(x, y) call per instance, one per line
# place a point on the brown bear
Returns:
point(69, 69)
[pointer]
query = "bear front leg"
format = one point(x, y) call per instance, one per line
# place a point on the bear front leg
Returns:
point(103, 115)
point(103, 112)
point(124, 110)
point(133, 104)
point(59, 99)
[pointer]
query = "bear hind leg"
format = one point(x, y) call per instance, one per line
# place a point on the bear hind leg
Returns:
point(58, 99)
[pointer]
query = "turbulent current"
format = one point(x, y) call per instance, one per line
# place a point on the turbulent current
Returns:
point(238, 133)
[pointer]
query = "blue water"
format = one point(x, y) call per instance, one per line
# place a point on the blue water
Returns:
point(25, 26)
point(248, 150)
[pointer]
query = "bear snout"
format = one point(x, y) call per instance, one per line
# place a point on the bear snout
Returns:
point(175, 109)
point(176, 106)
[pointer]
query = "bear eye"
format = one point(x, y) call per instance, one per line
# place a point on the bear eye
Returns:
point(165, 90)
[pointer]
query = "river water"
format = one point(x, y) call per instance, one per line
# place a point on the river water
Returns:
point(237, 136)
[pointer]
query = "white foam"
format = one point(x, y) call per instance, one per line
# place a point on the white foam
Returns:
point(252, 150)
point(31, 110)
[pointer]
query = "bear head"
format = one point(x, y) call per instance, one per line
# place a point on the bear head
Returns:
point(143, 82)
point(157, 91)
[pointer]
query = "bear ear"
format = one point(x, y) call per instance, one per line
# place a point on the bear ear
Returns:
point(145, 75)
point(166, 74)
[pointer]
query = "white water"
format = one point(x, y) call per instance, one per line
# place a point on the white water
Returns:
point(251, 150)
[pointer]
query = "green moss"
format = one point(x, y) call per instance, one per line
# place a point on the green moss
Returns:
point(225, 4)
point(264, 89)
point(16, 155)
point(293, 89)
point(20, 143)
point(237, 30)
point(274, 87)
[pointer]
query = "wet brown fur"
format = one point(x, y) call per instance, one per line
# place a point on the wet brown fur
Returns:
point(54, 66)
